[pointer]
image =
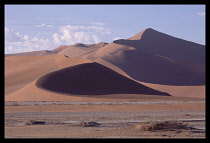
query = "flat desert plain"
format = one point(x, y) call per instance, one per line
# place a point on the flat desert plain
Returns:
point(151, 85)
point(116, 119)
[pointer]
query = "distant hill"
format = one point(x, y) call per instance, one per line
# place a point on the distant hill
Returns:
point(75, 50)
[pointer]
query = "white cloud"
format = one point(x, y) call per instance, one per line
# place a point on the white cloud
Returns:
point(56, 38)
point(71, 34)
point(201, 13)
point(64, 35)
point(25, 37)
point(117, 38)
point(16, 42)
point(17, 49)
point(10, 36)
point(10, 48)
point(44, 25)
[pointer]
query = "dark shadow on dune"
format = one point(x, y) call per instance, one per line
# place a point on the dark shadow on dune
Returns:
point(154, 69)
point(92, 79)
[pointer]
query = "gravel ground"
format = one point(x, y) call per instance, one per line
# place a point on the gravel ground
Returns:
point(11, 103)
point(107, 116)
point(109, 120)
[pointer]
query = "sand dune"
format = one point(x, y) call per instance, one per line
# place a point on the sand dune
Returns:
point(31, 92)
point(158, 43)
point(79, 49)
point(148, 63)
point(155, 69)
point(167, 61)
point(158, 77)
point(180, 91)
point(75, 50)
point(20, 84)
point(22, 70)
point(175, 91)
point(79, 45)
point(91, 79)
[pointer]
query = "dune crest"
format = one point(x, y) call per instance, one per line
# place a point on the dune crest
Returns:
point(77, 50)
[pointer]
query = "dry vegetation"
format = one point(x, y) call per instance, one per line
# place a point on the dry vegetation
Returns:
point(162, 125)
point(34, 122)
point(89, 124)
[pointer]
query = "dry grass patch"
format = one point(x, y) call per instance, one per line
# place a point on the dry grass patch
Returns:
point(162, 125)
point(89, 124)
point(34, 122)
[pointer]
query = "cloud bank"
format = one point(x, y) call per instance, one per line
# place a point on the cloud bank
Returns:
point(15, 42)
point(71, 34)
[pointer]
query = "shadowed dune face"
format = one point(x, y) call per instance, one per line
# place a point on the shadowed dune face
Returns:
point(92, 79)
point(22, 70)
point(154, 57)
point(150, 68)
point(158, 43)
point(80, 45)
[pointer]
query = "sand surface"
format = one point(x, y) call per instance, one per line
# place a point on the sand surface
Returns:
point(92, 79)
point(22, 70)
point(116, 119)
point(140, 56)
point(179, 76)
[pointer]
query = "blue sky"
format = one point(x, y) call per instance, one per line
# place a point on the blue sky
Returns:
point(44, 27)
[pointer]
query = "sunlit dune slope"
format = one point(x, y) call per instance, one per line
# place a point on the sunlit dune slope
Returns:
point(21, 70)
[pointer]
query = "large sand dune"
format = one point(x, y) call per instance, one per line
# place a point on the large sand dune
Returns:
point(92, 79)
point(22, 70)
point(175, 91)
point(168, 46)
point(107, 90)
point(157, 58)
point(76, 50)
point(148, 63)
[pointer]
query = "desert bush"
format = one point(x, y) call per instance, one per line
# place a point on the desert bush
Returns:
point(163, 125)
point(34, 122)
point(89, 124)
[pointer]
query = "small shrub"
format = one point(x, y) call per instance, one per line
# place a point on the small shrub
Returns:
point(89, 124)
point(34, 122)
point(163, 125)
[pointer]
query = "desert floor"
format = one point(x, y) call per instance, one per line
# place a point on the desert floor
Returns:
point(116, 119)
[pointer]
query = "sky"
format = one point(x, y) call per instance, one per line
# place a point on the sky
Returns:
point(45, 27)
